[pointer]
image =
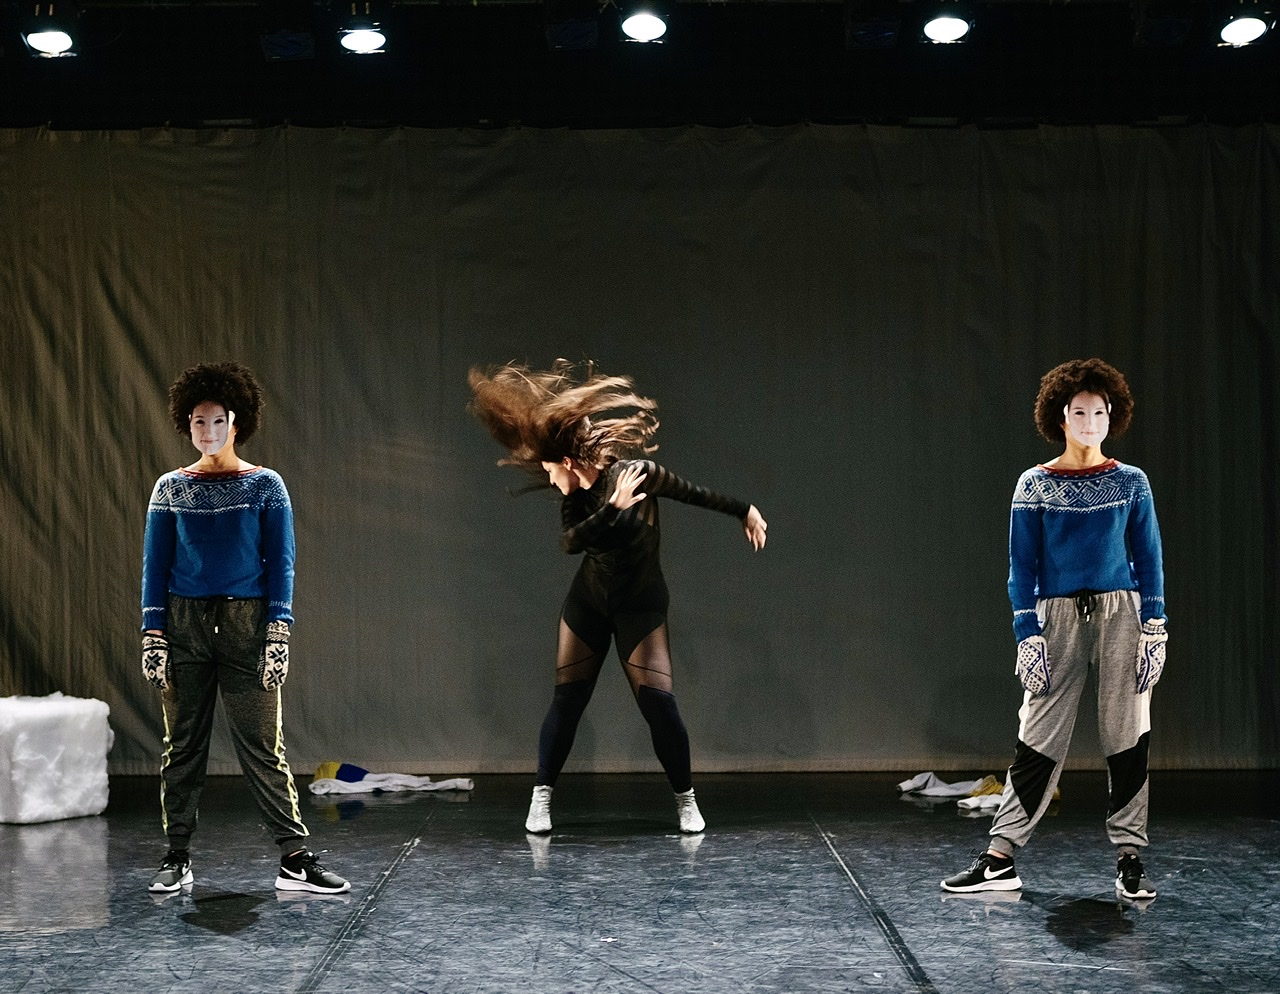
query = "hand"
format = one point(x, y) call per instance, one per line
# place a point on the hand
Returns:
point(755, 526)
point(1032, 666)
point(273, 664)
point(155, 659)
point(624, 491)
point(1150, 657)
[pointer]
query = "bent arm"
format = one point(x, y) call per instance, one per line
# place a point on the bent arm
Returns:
point(577, 534)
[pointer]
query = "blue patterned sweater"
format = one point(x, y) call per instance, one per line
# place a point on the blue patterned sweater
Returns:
point(1090, 529)
point(218, 535)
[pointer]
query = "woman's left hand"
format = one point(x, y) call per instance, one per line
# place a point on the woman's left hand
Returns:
point(755, 526)
point(624, 491)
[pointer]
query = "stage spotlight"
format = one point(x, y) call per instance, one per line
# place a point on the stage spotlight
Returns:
point(948, 24)
point(50, 32)
point(1245, 24)
point(362, 32)
point(644, 21)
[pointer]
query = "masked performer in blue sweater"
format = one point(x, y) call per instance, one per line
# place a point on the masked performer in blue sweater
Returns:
point(1086, 580)
point(217, 603)
point(609, 513)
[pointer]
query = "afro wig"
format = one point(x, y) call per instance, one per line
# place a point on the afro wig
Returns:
point(1063, 382)
point(227, 383)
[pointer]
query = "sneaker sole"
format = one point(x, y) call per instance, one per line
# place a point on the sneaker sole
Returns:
point(1013, 883)
point(1137, 895)
point(187, 878)
point(284, 883)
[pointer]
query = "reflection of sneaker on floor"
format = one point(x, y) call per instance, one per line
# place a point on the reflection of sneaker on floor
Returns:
point(990, 898)
point(174, 873)
point(988, 872)
point(689, 845)
point(688, 813)
point(1131, 881)
point(299, 899)
point(540, 849)
point(185, 900)
point(302, 871)
point(539, 819)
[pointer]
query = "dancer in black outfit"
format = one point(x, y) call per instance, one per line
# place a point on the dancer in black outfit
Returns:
point(619, 593)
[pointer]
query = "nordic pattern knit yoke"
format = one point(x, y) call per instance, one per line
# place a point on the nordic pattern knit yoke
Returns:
point(218, 535)
point(1073, 530)
point(619, 543)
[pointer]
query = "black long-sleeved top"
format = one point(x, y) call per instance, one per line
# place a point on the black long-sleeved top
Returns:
point(617, 542)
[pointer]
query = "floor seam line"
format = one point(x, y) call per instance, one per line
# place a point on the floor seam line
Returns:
point(890, 932)
point(356, 921)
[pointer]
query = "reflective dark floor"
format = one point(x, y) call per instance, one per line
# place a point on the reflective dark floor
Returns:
point(801, 883)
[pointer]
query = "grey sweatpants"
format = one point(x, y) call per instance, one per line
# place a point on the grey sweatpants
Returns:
point(1098, 633)
point(214, 644)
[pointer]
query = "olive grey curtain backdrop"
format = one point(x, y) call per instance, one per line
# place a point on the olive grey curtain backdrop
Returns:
point(844, 325)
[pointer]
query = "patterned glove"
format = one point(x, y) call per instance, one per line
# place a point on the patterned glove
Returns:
point(1151, 648)
point(273, 664)
point(1033, 665)
point(155, 660)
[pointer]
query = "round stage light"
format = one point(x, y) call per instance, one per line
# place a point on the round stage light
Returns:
point(644, 26)
point(363, 41)
point(51, 43)
point(946, 28)
point(1243, 30)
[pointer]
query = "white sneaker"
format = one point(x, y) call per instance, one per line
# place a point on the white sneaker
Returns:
point(539, 819)
point(687, 811)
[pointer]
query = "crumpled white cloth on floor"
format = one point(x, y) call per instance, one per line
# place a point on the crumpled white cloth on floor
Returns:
point(387, 782)
point(928, 785)
point(983, 802)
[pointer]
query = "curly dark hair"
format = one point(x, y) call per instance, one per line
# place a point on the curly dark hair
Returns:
point(1063, 382)
point(227, 383)
point(544, 416)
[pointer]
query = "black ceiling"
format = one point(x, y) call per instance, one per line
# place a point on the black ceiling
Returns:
point(488, 64)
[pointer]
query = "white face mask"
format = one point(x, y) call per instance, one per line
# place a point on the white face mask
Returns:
point(211, 427)
point(1087, 418)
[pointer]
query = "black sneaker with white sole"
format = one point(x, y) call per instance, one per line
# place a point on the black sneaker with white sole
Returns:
point(988, 872)
point(1131, 881)
point(302, 871)
point(174, 873)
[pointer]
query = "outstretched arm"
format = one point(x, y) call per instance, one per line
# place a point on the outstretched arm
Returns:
point(661, 482)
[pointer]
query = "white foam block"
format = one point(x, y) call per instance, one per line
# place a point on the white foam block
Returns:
point(53, 758)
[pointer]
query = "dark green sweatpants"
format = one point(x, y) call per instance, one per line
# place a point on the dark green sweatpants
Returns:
point(214, 645)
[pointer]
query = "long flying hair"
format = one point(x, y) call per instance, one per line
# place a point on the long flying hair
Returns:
point(543, 416)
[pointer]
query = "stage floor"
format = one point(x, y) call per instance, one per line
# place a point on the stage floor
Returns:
point(802, 883)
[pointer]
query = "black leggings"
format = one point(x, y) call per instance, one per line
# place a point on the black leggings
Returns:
point(638, 625)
